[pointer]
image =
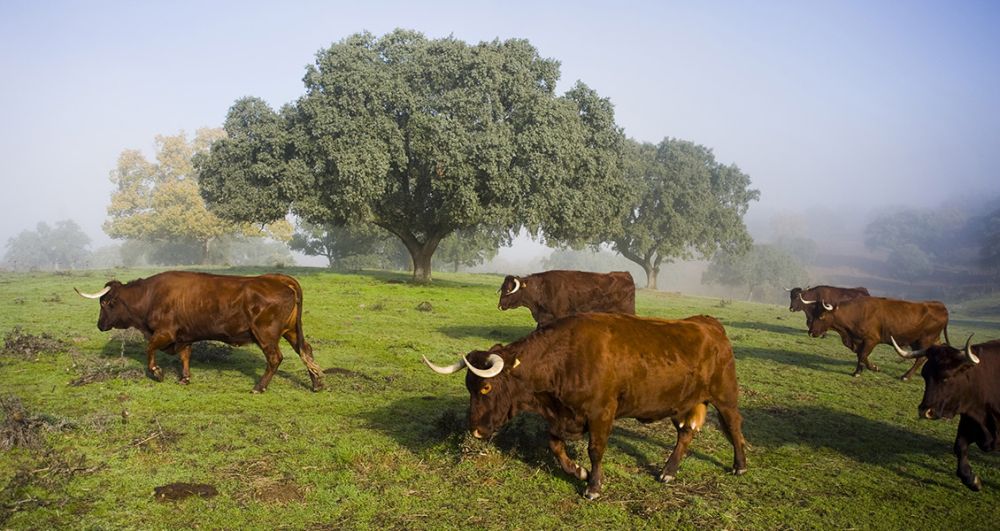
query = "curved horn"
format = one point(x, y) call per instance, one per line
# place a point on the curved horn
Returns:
point(455, 367)
point(496, 365)
point(805, 301)
point(967, 351)
point(788, 289)
point(517, 286)
point(97, 295)
point(904, 353)
point(827, 307)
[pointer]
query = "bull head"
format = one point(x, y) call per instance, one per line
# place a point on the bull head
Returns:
point(496, 366)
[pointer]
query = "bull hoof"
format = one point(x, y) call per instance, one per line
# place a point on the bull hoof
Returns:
point(739, 471)
point(257, 390)
point(904, 378)
point(184, 381)
point(581, 473)
point(156, 374)
point(976, 485)
point(591, 494)
point(666, 478)
point(856, 374)
point(873, 368)
point(317, 388)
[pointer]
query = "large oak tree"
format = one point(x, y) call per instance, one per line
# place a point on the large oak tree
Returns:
point(689, 205)
point(424, 137)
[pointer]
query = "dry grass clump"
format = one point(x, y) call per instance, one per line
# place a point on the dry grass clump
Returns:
point(22, 429)
point(19, 344)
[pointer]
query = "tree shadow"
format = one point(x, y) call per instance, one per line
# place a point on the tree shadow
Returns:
point(207, 355)
point(495, 333)
point(775, 328)
point(798, 359)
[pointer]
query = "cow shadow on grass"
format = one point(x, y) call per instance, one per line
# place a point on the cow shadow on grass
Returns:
point(865, 440)
point(774, 328)
point(209, 356)
point(424, 422)
point(491, 333)
point(798, 359)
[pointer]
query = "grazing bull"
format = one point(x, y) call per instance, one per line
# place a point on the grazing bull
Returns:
point(806, 300)
point(552, 295)
point(582, 372)
point(963, 382)
point(866, 322)
point(176, 308)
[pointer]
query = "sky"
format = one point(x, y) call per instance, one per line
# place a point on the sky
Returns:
point(851, 106)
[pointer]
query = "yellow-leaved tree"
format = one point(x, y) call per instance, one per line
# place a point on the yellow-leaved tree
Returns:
point(160, 201)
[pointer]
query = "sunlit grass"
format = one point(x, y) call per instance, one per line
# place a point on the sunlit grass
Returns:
point(385, 444)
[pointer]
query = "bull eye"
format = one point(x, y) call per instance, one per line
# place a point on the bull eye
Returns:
point(486, 389)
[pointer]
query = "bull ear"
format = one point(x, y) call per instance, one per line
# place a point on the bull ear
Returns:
point(496, 347)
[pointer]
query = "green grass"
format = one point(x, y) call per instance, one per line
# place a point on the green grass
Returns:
point(385, 444)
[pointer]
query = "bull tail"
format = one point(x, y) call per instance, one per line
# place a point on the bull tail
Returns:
point(300, 338)
point(946, 340)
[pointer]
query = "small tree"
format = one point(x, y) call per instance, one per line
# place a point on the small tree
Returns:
point(160, 202)
point(468, 247)
point(338, 244)
point(689, 205)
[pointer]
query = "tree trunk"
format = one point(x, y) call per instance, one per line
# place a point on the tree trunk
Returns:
point(422, 264)
point(651, 273)
point(204, 251)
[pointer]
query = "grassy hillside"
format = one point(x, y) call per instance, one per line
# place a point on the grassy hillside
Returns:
point(385, 444)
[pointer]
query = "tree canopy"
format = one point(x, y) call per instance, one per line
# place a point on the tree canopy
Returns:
point(689, 204)
point(160, 201)
point(424, 137)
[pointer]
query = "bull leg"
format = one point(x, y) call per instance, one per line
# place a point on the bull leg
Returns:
point(917, 364)
point(184, 353)
point(156, 342)
point(273, 357)
point(965, 473)
point(600, 431)
point(558, 447)
point(684, 437)
point(863, 350)
point(732, 426)
point(306, 354)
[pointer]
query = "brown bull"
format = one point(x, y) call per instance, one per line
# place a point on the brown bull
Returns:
point(176, 308)
point(808, 300)
point(552, 295)
point(963, 382)
point(582, 372)
point(866, 322)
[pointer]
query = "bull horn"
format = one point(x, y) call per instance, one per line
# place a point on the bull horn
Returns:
point(496, 365)
point(827, 307)
point(455, 367)
point(968, 351)
point(517, 286)
point(805, 301)
point(788, 289)
point(904, 353)
point(97, 295)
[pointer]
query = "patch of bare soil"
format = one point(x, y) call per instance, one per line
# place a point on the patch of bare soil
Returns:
point(179, 491)
point(20, 344)
point(263, 484)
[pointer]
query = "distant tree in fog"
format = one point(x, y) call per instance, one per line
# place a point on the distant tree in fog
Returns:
point(689, 205)
point(159, 202)
point(468, 248)
point(61, 247)
point(587, 260)
point(989, 250)
point(350, 246)
point(423, 137)
point(804, 250)
point(763, 271)
point(909, 262)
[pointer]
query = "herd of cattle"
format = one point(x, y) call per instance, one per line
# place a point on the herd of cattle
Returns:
point(590, 360)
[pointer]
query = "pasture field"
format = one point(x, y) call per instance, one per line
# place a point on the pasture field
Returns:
point(86, 438)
